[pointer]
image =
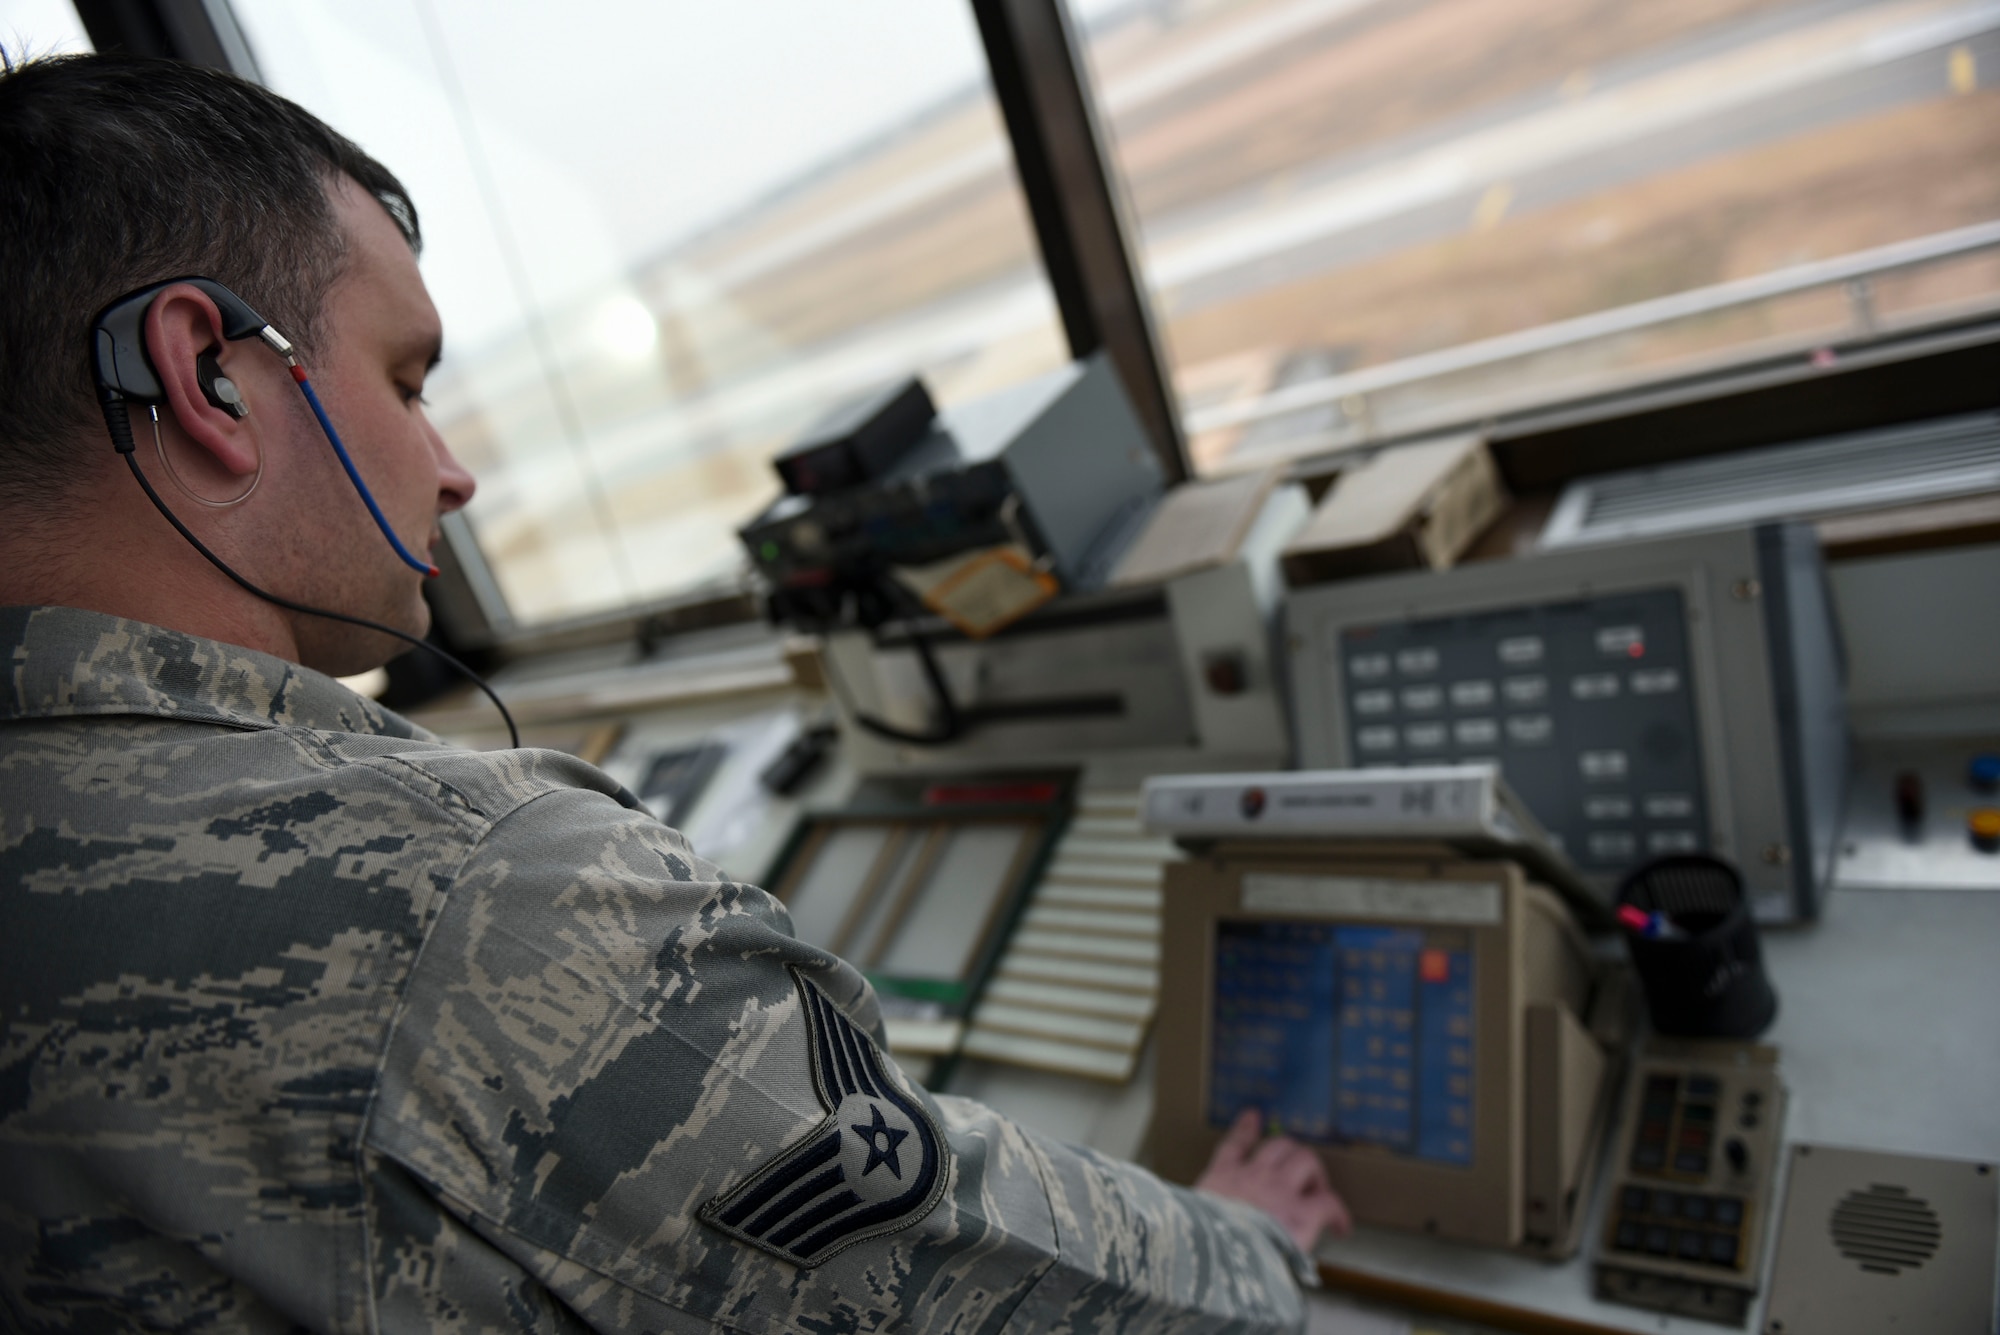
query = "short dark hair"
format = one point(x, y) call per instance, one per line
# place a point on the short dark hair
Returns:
point(117, 171)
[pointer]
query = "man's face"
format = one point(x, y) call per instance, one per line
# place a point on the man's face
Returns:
point(381, 336)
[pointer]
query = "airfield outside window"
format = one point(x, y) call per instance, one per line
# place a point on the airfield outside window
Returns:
point(1362, 220)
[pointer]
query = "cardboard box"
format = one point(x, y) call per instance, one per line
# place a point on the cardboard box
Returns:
point(1410, 508)
point(1198, 526)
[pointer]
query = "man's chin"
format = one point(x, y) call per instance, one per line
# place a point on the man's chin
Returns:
point(344, 650)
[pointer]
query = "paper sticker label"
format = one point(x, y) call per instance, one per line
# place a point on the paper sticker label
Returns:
point(990, 590)
point(1379, 898)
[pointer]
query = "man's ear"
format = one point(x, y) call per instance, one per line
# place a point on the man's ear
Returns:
point(181, 326)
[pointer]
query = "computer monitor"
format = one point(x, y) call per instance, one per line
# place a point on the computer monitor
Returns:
point(1346, 1033)
point(1424, 1020)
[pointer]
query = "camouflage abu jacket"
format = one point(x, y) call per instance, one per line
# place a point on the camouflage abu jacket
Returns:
point(313, 1022)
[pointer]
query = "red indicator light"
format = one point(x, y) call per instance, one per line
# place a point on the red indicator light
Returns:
point(1434, 966)
point(990, 794)
point(1635, 650)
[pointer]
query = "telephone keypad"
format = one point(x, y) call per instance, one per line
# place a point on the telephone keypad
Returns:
point(1658, 1222)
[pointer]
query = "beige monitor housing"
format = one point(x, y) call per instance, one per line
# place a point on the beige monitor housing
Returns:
point(1510, 1032)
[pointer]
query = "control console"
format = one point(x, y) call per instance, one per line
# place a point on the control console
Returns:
point(1691, 1199)
point(1673, 696)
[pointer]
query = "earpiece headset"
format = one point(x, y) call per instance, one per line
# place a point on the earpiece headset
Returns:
point(126, 375)
point(217, 388)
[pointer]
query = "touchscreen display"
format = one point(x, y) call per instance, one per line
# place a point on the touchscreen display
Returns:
point(1346, 1034)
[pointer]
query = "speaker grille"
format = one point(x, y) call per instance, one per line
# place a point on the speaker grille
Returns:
point(1885, 1229)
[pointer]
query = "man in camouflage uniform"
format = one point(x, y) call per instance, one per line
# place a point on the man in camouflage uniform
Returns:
point(312, 1021)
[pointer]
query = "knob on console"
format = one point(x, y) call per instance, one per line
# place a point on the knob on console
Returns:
point(1982, 824)
point(1984, 772)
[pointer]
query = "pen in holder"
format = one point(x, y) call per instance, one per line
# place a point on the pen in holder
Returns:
point(1695, 947)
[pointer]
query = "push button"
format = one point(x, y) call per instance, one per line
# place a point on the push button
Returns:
point(1660, 1241)
point(1688, 1242)
point(1984, 772)
point(1423, 699)
point(1368, 667)
point(1728, 1211)
point(1983, 825)
point(1628, 1235)
point(1722, 1249)
point(1471, 694)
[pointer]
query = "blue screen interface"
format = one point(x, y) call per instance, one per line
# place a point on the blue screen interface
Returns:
point(1346, 1034)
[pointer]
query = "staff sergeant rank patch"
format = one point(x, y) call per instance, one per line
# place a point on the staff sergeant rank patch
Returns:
point(876, 1164)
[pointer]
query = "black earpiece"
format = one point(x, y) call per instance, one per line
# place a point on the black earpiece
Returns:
point(217, 388)
point(118, 340)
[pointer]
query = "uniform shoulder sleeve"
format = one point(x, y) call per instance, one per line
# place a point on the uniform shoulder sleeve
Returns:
point(622, 1070)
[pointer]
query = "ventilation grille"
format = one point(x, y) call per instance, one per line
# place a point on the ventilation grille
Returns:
point(1685, 885)
point(1951, 456)
point(1885, 1229)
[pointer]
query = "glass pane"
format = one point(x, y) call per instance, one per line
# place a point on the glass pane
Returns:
point(824, 894)
point(41, 28)
point(1341, 201)
point(864, 942)
point(944, 925)
point(664, 238)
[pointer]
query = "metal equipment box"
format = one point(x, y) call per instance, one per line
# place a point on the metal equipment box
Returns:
point(1642, 699)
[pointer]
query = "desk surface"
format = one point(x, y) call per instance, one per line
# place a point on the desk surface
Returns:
point(1885, 1032)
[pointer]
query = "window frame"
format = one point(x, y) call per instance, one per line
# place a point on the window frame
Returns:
point(1083, 229)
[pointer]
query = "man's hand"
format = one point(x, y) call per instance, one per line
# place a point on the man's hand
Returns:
point(1279, 1176)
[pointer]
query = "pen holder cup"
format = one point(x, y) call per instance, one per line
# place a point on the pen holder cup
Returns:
point(1710, 982)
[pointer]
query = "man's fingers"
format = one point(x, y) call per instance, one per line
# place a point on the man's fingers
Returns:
point(1241, 1137)
point(1279, 1175)
point(1338, 1221)
point(1301, 1172)
point(1317, 1179)
point(1333, 1213)
point(1313, 1214)
point(1276, 1154)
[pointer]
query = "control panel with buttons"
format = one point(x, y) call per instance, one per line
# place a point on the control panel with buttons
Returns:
point(1923, 813)
point(1586, 705)
point(1643, 698)
point(1688, 1211)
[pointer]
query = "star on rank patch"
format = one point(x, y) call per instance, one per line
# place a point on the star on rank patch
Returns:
point(876, 1164)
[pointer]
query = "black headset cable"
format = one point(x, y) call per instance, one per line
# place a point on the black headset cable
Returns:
point(119, 423)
